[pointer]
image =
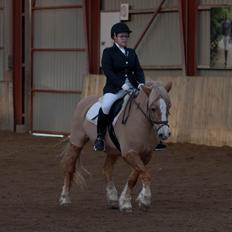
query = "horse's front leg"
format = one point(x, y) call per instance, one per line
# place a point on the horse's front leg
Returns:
point(125, 198)
point(144, 198)
point(68, 162)
point(111, 191)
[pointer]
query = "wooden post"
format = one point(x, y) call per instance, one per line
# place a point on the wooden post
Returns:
point(188, 18)
point(17, 62)
point(93, 34)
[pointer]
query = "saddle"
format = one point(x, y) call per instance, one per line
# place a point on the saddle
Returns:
point(114, 114)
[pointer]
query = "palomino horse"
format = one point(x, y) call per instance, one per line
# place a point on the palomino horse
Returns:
point(147, 124)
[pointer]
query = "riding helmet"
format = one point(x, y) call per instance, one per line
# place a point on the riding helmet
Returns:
point(119, 28)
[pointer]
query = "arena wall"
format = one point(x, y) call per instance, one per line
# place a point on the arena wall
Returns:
point(201, 105)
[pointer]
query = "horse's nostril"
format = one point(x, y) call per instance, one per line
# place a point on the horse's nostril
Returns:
point(169, 134)
point(161, 135)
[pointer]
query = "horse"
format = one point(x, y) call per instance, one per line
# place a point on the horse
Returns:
point(147, 124)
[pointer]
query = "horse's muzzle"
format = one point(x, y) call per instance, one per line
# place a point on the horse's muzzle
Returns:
point(163, 132)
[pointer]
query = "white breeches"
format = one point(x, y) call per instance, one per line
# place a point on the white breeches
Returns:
point(109, 99)
point(226, 41)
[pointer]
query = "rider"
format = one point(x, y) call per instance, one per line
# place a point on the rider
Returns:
point(123, 72)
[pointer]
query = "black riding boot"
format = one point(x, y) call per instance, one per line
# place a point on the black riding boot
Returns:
point(102, 123)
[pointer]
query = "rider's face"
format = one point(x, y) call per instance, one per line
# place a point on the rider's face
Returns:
point(121, 39)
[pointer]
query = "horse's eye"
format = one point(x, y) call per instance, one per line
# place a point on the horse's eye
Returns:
point(153, 109)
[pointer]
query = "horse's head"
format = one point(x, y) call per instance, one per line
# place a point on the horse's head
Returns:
point(158, 107)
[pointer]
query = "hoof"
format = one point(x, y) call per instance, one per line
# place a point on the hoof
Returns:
point(65, 201)
point(143, 207)
point(144, 203)
point(125, 206)
point(112, 196)
point(126, 209)
point(113, 204)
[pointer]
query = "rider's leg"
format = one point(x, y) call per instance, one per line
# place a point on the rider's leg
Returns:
point(101, 131)
point(107, 102)
point(109, 99)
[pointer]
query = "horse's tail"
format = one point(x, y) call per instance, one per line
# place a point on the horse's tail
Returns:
point(79, 171)
point(65, 142)
point(80, 174)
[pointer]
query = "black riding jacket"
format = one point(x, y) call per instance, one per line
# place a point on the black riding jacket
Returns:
point(117, 67)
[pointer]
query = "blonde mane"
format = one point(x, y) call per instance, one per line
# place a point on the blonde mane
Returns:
point(158, 90)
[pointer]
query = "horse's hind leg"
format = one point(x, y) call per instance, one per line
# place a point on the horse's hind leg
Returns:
point(69, 162)
point(111, 191)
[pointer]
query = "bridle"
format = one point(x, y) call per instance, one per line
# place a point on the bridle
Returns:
point(147, 114)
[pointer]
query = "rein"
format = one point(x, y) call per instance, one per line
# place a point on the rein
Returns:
point(125, 117)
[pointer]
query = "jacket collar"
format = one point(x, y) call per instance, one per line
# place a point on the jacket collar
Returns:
point(120, 52)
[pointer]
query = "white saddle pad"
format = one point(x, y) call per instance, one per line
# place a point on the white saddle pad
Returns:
point(92, 113)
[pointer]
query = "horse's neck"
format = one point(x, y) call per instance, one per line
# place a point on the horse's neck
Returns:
point(142, 100)
point(140, 120)
point(139, 111)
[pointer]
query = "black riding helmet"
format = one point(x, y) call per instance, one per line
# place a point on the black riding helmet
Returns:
point(119, 28)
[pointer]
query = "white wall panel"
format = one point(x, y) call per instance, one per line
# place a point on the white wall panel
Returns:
point(53, 69)
point(53, 111)
point(203, 38)
point(216, 2)
point(163, 36)
point(113, 5)
point(161, 45)
point(59, 29)
point(59, 70)
point(57, 2)
point(137, 24)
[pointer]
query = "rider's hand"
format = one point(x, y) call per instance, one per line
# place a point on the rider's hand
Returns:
point(125, 87)
point(140, 86)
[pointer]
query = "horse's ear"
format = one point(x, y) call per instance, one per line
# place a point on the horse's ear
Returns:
point(168, 86)
point(146, 89)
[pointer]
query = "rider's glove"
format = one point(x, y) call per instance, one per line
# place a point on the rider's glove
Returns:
point(140, 86)
point(125, 87)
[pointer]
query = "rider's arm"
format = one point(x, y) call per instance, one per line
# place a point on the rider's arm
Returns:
point(107, 67)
